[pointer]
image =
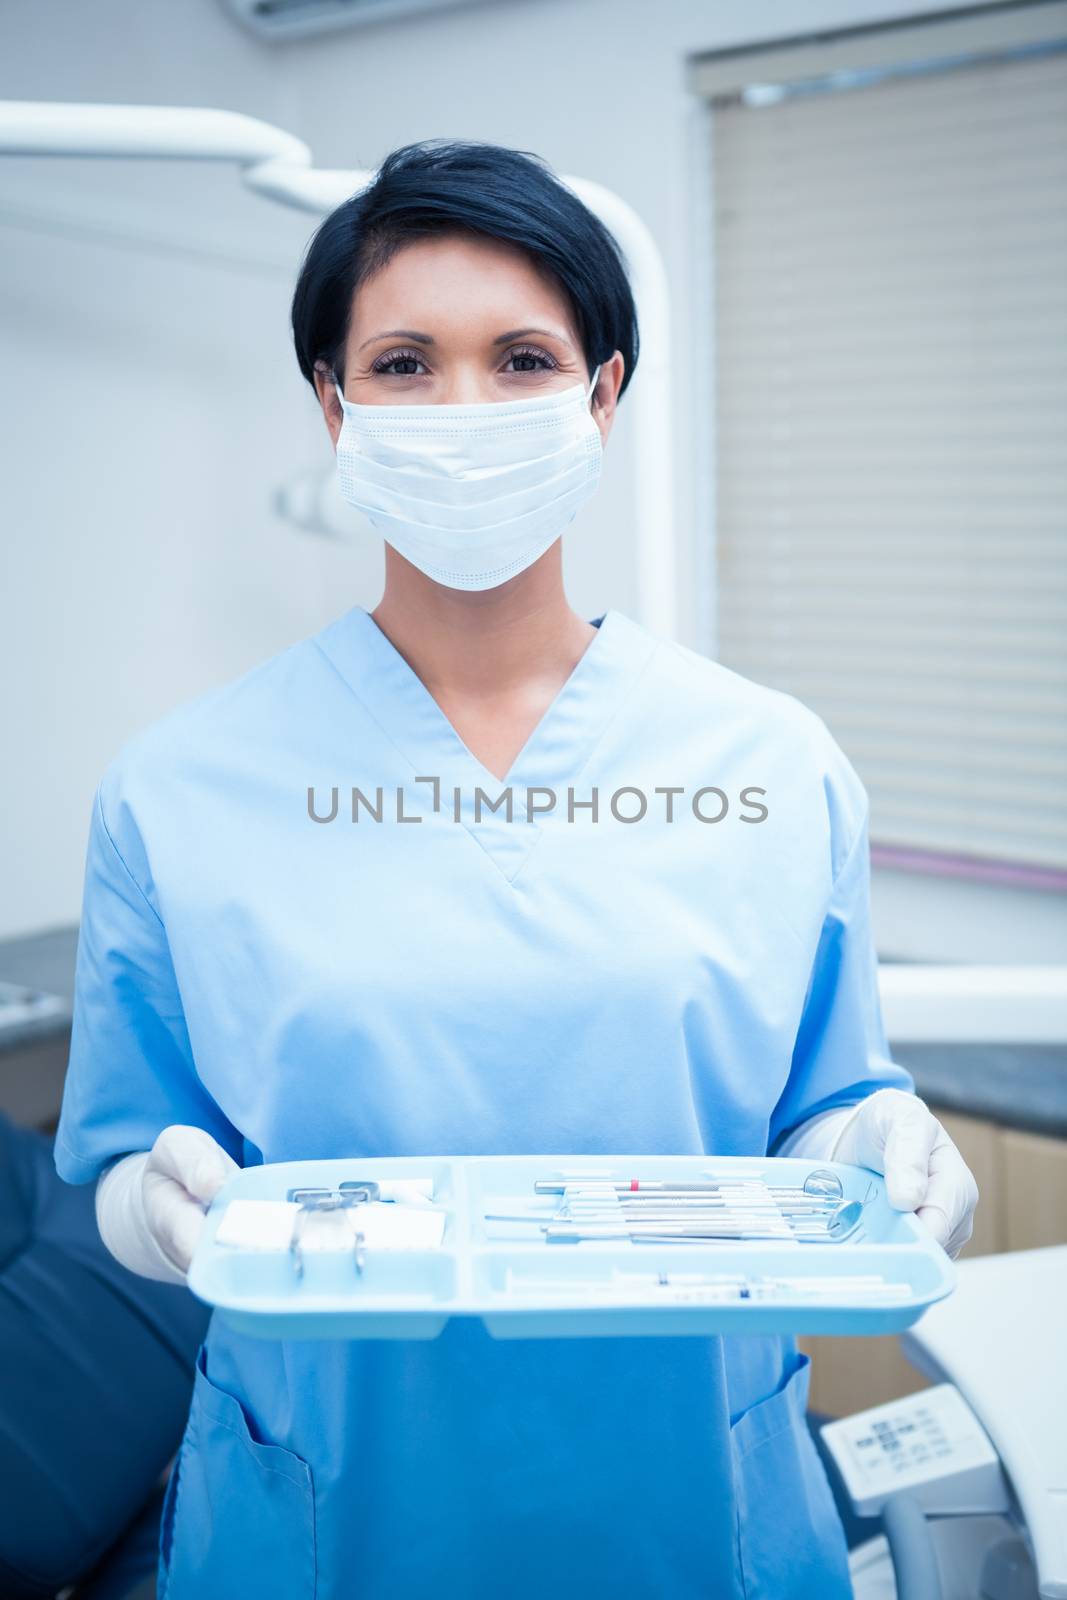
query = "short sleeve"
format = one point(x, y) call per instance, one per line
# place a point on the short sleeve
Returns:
point(841, 1054)
point(131, 1071)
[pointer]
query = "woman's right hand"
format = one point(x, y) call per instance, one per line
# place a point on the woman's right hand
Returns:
point(150, 1205)
point(184, 1171)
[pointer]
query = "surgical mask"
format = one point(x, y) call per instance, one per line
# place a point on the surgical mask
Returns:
point(471, 494)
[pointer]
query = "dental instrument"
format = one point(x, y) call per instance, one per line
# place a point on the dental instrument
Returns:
point(323, 1201)
point(820, 1182)
point(840, 1225)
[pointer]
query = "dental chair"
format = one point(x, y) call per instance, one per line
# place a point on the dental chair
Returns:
point(98, 1371)
point(969, 1477)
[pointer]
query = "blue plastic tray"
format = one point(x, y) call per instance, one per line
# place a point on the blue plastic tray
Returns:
point(523, 1287)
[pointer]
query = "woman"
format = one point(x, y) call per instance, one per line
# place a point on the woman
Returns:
point(263, 978)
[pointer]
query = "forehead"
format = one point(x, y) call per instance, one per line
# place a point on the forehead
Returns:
point(462, 282)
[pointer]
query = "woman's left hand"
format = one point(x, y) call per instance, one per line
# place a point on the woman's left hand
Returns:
point(897, 1134)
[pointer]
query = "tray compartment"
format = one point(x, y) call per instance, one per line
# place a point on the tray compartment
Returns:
point(591, 1289)
point(403, 1294)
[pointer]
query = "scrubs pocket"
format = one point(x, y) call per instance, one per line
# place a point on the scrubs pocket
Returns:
point(790, 1540)
point(239, 1515)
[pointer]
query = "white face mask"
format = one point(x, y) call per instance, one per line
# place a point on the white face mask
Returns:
point(471, 494)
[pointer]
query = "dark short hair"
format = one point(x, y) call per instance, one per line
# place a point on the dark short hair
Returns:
point(450, 185)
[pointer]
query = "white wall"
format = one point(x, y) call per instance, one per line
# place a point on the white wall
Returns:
point(150, 401)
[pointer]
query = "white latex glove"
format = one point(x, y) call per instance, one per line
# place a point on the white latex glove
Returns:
point(897, 1134)
point(150, 1206)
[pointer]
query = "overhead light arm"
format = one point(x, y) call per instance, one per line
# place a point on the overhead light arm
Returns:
point(279, 167)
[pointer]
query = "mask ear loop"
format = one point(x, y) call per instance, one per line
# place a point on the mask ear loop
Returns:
point(592, 386)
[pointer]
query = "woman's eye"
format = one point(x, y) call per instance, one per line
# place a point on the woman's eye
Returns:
point(399, 364)
point(531, 361)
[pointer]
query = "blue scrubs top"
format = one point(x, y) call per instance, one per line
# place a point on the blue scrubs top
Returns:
point(450, 985)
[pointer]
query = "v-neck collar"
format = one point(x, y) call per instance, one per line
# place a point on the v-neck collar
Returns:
point(553, 756)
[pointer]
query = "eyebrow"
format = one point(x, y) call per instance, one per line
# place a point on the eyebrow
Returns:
point(399, 333)
point(517, 333)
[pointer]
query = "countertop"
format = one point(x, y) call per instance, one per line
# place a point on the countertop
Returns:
point(44, 962)
point(1019, 1086)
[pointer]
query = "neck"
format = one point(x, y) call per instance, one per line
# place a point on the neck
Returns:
point(486, 642)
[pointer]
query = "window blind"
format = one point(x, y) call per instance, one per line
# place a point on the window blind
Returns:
point(891, 470)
